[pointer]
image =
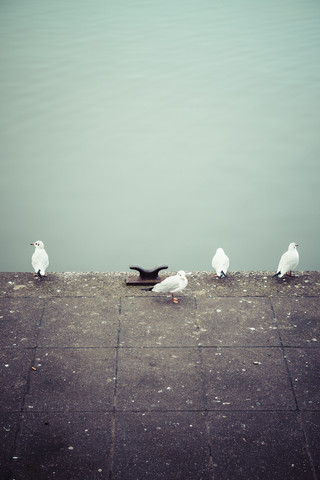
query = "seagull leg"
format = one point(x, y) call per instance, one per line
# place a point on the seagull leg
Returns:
point(174, 299)
point(221, 275)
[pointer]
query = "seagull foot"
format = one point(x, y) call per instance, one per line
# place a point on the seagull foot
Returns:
point(174, 299)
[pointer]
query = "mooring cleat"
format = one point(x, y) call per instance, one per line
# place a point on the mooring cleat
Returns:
point(146, 277)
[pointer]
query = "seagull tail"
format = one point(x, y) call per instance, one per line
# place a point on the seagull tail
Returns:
point(146, 289)
point(39, 274)
point(223, 274)
point(277, 274)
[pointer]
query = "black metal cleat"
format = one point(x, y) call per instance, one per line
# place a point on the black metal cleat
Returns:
point(146, 277)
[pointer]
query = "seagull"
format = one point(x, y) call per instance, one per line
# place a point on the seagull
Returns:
point(174, 284)
point(220, 263)
point(40, 259)
point(288, 261)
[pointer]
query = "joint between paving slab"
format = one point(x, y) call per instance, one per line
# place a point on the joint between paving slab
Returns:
point(302, 425)
point(285, 357)
point(205, 411)
point(27, 386)
point(114, 407)
point(120, 306)
point(195, 302)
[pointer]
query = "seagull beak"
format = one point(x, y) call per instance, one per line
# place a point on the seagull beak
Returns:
point(31, 243)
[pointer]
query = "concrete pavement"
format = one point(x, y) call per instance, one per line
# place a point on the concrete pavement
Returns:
point(104, 381)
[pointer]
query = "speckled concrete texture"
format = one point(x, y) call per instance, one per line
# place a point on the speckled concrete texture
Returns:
point(100, 380)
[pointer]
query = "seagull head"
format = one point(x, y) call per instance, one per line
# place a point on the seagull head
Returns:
point(38, 244)
point(293, 246)
point(181, 274)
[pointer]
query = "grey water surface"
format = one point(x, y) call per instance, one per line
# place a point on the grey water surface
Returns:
point(150, 132)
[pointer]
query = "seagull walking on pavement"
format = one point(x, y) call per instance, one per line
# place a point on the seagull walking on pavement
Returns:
point(39, 259)
point(288, 261)
point(174, 284)
point(220, 263)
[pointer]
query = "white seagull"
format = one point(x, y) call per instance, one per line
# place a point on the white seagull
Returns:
point(40, 259)
point(174, 284)
point(220, 263)
point(288, 261)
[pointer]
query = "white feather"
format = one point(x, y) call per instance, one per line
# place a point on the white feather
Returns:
point(220, 262)
point(174, 284)
point(40, 259)
point(289, 260)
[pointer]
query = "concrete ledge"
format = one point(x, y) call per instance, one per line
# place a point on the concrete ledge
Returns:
point(93, 284)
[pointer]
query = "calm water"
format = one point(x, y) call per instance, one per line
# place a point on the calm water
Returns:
point(154, 132)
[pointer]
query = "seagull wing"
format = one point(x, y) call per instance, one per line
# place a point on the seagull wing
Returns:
point(183, 282)
point(224, 264)
point(220, 263)
point(169, 284)
point(40, 261)
point(288, 261)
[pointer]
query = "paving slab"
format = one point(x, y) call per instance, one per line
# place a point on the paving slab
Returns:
point(168, 446)
point(9, 425)
point(159, 379)
point(67, 284)
point(156, 322)
point(253, 284)
point(19, 321)
point(246, 379)
point(258, 445)
point(15, 371)
point(304, 368)
point(311, 423)
point(298, 320)
point(69, 446)
point(75, 322)
point(246, 321)
point(72, 379)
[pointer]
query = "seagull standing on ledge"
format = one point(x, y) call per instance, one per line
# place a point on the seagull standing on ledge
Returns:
point(40, 259)
point(220, 263)
point(174, 284)
point(288, 261)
